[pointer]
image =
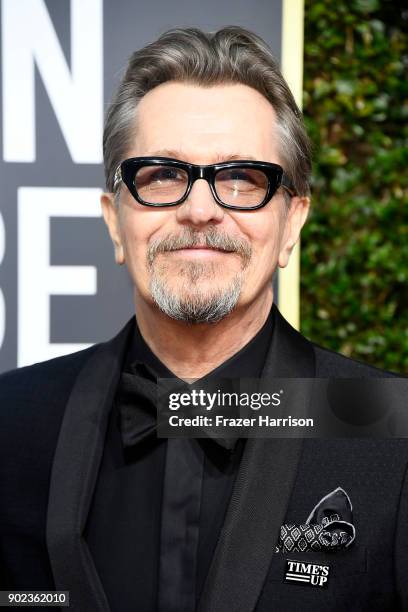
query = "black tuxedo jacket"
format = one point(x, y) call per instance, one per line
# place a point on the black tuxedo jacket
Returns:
point(53, 418)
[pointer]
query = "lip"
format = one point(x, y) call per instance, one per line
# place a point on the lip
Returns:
point(199, 248)
point(200, 251)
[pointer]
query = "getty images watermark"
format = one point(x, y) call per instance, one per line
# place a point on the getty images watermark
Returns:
point(240, 402)
point(286, 408)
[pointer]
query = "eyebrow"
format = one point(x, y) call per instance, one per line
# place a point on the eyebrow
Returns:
point(218, 158)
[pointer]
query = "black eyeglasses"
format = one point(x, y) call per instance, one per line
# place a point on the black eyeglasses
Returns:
point(164, 181)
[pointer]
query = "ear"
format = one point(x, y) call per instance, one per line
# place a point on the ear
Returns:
point(295, 220)
point(111, 217)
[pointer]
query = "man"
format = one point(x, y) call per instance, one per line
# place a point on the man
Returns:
point(207, 170)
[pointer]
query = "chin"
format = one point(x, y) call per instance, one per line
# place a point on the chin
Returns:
point(198, 305)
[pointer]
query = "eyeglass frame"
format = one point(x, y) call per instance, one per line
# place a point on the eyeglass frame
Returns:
point(126, 172)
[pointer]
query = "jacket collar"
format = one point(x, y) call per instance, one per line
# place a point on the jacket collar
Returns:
point(261, 491)
point(74, 473)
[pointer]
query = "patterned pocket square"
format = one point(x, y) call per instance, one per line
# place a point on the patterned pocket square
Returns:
point(328, 528)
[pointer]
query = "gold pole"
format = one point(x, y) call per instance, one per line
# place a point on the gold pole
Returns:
point(292, 69)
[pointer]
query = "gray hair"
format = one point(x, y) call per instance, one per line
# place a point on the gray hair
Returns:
point(230, 55)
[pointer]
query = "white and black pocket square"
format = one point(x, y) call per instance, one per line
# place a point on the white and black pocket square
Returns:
point(328, 528)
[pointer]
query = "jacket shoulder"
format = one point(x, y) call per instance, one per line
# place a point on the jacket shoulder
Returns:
point(39, 392)
point(32, 406)
point(33, 398)
point(45, 375)
point(329, 363)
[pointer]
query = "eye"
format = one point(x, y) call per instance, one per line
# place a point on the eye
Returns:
point(151, 175)
point(241, 179)
point(161, 183)
point(235, 174)
point(167, 174)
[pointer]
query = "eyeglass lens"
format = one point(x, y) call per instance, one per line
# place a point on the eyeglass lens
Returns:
point(161, 184)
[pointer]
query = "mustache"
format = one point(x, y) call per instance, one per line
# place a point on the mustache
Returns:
point(211, 238)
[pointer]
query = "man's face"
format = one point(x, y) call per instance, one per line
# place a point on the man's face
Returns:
point(198, 261)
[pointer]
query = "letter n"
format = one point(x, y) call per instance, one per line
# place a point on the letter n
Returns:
point(76, 95)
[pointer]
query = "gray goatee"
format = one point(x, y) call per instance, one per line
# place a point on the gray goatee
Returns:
point(189, 302)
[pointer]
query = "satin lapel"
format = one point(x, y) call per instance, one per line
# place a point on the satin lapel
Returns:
point(74, 472)
point(261, 493)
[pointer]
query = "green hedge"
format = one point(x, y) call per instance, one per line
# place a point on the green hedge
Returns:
point(354, 290)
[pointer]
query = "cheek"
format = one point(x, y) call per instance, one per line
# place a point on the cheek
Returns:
point(133, 239)
point(134, 243)
point(265, 234)
point(265, 259)
point(138, 229)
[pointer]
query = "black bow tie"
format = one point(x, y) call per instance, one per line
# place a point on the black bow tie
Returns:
point(137, 400)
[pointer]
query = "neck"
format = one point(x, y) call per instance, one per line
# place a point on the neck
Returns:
point(191, 351)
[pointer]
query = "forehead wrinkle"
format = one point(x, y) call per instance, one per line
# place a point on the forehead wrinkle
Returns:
point(182, 156)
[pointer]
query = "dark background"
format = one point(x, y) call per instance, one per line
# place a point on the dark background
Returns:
point(127, 25)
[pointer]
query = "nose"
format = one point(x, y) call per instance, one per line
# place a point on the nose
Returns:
point(200, 208)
